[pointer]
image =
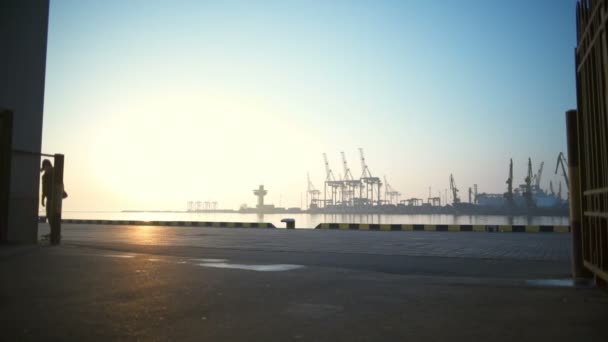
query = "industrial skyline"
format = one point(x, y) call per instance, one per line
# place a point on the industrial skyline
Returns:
point(158, 103)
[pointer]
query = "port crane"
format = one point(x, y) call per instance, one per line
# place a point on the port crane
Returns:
point(561, 160)
point(370, 183)
point(475, 193)
point(331, 182)
point(537, 177)
point(312, 194)
point(454, 190)
point(349, 184)
point(528, 185)
point(509, 194)
point(390, 195)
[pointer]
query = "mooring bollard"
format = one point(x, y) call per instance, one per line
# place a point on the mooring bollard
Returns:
point(290, 223)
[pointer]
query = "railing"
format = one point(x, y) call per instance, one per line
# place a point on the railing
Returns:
point(589, 129)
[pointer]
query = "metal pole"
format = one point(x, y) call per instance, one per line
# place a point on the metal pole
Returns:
point(56, 199)
point(578, 270)
point(6, 138)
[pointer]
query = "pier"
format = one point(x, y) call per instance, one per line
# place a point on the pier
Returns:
point(186, 283)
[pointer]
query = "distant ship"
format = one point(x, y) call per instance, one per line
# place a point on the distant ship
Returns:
point(528, 195)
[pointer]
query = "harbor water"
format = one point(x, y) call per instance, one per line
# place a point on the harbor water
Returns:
point(305, 220)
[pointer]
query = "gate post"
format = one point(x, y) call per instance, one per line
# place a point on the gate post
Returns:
point(578, 270)
point(57, 198)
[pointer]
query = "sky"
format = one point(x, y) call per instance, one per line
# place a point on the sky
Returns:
point(155, 103)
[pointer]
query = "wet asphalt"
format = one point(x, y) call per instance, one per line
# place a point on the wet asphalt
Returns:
point(136, 290)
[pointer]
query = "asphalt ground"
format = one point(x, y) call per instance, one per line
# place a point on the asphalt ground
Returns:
point(166, 284)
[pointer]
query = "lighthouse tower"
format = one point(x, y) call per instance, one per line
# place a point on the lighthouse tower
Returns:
point(260, 193)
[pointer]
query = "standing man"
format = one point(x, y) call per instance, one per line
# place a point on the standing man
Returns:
point(48, 199)
point(47, 185)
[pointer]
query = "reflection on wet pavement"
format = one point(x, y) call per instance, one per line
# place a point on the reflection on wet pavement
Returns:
point(116, 255)
point(559, 283)
point(205, 262)
point(259, 268)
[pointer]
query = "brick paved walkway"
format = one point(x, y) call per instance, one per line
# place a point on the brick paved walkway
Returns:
point(524, 246)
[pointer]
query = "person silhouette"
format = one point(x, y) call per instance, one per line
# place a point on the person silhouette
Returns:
point(47, 188)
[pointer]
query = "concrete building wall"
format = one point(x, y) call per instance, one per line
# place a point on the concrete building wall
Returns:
point(23, 40)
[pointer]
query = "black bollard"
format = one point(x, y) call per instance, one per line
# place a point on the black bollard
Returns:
point(290, 223)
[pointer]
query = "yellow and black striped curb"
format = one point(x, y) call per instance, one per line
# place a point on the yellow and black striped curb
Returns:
point(170, 223)
point(446, 228)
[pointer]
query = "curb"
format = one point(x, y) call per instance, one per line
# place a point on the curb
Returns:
point(446, 228)
point(169, 223)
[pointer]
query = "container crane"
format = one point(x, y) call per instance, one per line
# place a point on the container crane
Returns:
point(349, 183)
point(312, 194)
point(561, 160)
point(371, 184)
point(329, 175)
point(390, 194)
point(331, 182)
point(454, 190)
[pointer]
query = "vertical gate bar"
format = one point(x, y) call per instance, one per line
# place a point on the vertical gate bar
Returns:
point(57, 196)
point(578, 270)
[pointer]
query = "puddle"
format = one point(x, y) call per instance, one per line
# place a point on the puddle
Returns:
point(558, 283)
point(117, 255)
point(259, 268)
point(210, 260)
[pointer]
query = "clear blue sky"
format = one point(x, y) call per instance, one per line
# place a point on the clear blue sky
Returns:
point(158, 102)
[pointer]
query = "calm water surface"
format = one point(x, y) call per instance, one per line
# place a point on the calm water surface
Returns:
point(312, 220)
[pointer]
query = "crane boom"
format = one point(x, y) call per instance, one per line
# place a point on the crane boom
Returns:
point(562, 160)
point(311, 187)
point(510, 179)
point(538, 176)
point(454, 190)
point(366, 173)
point(329, 175)
point(509, 194)
point(347, 174)
point(528, 185)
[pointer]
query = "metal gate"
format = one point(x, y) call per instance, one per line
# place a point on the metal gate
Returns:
point(592, 141)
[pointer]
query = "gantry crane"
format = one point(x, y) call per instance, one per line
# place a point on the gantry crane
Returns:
point(371, 184)
point(390, 195)
point(454, 189)
point(312, 194)
point(332, 183)
point(349, 184)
